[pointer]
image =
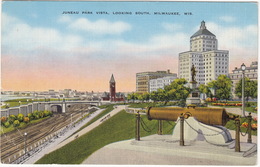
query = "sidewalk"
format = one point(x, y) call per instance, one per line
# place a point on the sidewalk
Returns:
point(236, 110)
point(162, 150)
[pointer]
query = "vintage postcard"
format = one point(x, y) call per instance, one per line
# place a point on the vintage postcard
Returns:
point(129, 82)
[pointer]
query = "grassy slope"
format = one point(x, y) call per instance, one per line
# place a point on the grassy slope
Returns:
point(119, 127)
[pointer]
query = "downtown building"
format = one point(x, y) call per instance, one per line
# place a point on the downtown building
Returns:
point(236, 75)
point(208, 61)
point(143, 79)
point(160, 83)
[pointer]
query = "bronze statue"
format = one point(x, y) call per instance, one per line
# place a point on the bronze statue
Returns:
point(193, 73)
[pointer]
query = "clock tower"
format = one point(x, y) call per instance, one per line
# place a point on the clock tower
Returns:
point(112, 84)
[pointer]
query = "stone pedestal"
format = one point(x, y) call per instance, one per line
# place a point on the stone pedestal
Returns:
point(194, 96)
point(194, 130)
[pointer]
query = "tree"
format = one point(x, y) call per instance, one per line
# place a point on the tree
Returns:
point(132, 96)
point(154, 96)
point(222, 87)
point(177, 90)
point(206, 90)
point(20, 117)
point(146, 96)
point(26, 119)
point(16, 123)
point(250, 89)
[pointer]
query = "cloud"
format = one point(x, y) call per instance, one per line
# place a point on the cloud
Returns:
point(234, 36)
point(228, 19)
point(242, 42)
point(18, 35)
point(64, 19)
point(172, 27)
point(101, 26)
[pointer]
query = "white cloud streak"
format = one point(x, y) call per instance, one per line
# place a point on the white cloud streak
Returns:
point(228, 19)
point(101, 26)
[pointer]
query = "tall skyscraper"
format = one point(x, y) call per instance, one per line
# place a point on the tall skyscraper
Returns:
point(208, 61)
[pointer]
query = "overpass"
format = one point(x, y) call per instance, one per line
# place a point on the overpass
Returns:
point(61, 106)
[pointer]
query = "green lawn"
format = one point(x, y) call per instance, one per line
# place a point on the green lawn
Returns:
point(119, 127)
point(106, 111)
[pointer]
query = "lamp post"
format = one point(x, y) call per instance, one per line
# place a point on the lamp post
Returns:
point(243, 67)
point(25, 137)
point(71, 118)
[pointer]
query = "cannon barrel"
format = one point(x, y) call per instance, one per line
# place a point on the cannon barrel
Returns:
point(210, 116)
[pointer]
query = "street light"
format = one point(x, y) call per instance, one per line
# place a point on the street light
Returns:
point(243, 67)
point(71, 118)
point(25, 137)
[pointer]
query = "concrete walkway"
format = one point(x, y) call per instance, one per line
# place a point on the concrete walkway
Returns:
point(236, 110)
point(163, 150)
point(53, 145)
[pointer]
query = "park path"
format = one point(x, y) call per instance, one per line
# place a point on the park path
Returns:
point(236, 110)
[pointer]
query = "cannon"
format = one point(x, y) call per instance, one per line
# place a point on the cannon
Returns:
point(209, 116)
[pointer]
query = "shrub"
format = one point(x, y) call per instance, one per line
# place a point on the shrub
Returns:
point(16, 123)
point(26, 119)
point(12, 118)
point(30, 116)
point(254, 126)
point(244, 124)
point(41, 114)
point(7, 124)
point(3, 120)
point(20, 117)
point(36, 114)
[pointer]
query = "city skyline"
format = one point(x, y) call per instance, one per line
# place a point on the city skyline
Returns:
point(43, 48)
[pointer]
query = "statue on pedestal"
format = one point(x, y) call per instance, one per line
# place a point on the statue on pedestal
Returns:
point(193, 73)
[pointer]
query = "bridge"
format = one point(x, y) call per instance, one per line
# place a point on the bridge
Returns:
point(54, 106)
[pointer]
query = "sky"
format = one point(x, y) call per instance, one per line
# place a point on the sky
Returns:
point(61, 45)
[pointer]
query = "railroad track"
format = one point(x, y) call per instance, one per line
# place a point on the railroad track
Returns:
point(12, 144)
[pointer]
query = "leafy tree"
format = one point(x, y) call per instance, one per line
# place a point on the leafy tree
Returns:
point(204, 89)
point(3, 120)
point(36, 114)
point(145, 96)
point(212, 87)
point(222, 87)
point(41, 114)
point(30, 115)
point(154, 96)
point(16, 123)
point(132, 96)
point(250, 89)
point(20, 117)
point(26, 119)
point(12, 118)
point(177, 90)
point(7, 124)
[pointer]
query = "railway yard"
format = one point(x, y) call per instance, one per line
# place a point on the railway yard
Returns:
point(16, 146)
